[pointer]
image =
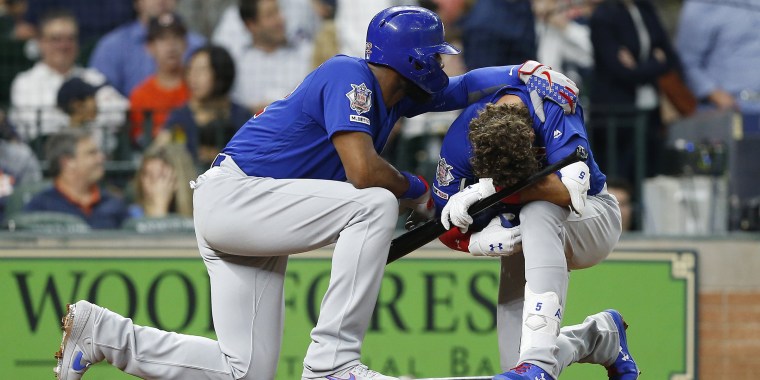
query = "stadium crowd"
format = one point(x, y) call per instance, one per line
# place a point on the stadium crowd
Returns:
point(109, 108)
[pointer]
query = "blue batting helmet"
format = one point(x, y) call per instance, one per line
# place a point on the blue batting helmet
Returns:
point(407, 40)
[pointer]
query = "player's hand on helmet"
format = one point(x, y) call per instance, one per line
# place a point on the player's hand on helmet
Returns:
point(500, 238)
point(545, 83)
point(576, 178)
point(456, 210)
point(423, 208)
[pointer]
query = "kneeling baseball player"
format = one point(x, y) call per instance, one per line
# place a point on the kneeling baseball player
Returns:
point(567, 221)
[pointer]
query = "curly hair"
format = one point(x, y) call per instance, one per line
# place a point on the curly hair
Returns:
point(502, 144)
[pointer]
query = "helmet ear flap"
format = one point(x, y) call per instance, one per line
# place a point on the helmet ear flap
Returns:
point(416, 63)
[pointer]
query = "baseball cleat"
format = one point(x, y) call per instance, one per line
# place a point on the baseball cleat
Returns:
point(75, 355)
point(624, 367)
point(357, 372)
point(525, 371)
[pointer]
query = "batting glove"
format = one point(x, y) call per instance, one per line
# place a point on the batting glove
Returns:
point(545, 83)
point(576, 178)
point(499, 238)
point(455, 212)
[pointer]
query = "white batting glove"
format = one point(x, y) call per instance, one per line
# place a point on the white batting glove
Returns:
point(456, 208)
point(545, 83)
point(495, 239)
point(576, 178)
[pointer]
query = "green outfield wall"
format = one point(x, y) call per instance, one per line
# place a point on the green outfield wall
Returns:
point(434, 318)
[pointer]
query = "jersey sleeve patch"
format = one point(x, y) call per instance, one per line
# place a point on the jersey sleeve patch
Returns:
point(359, 119)
point(439, 193)
point(443, 173)
point(360, 98)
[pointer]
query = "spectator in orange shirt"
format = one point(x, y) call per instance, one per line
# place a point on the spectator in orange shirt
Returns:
point(153, 99)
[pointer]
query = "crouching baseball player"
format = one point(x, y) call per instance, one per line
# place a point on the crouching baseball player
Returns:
point(566, 221)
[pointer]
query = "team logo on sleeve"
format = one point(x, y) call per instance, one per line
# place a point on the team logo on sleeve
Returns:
point(443, 172)
point(360, 97)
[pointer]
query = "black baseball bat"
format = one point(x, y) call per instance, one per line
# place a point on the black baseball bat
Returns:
point(430, 230)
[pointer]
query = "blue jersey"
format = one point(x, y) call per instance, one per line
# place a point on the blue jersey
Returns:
point(291, 138)
point(559, 135)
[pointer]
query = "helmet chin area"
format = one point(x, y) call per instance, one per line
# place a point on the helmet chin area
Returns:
point(416, 93)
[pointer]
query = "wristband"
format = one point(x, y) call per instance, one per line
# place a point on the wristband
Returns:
point(417, 187)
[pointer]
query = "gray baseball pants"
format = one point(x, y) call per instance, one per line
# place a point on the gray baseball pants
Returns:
point(554, 240)
point(246, 227)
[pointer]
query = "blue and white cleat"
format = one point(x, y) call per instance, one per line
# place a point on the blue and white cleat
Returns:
point(525, 371)
point(75, 355)
point(625, 367)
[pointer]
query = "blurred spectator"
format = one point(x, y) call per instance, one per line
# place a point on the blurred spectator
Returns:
point(18, 164)
point(77, 99)
point(622, 191)
point(76, 165)
point(326, 39)
point(210, 118)
point(563, 43)
point(273, 66)
point(161, 183)
point(34, 92)
point(203, 15)
point(717, 44)
point(121, 55)
point(494, 32)
point(300, 24)
point(95, 18)
point(631, 51)
point(11, 19)
point(351, 20)
point(159, 94)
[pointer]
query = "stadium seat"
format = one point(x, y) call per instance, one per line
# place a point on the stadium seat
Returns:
point(49, 222)
point(22, 194)
point(159, 225)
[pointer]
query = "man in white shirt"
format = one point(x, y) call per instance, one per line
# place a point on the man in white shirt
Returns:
point(301, 23)
point(271, 67)
point(34, 92)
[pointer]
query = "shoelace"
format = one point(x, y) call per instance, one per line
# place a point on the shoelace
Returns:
point(363, 370)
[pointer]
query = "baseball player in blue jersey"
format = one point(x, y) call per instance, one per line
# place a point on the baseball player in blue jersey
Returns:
point(304, 173)
point(566, 221)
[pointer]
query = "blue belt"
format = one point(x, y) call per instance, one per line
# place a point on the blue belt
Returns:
point(218, 160)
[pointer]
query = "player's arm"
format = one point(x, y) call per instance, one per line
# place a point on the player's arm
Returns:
point(464, 90)
point(364, 167)
point(549, 189)
point(468, 88)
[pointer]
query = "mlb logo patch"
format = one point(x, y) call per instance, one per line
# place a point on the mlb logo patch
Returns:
point(360, 97)
point(443, 172)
